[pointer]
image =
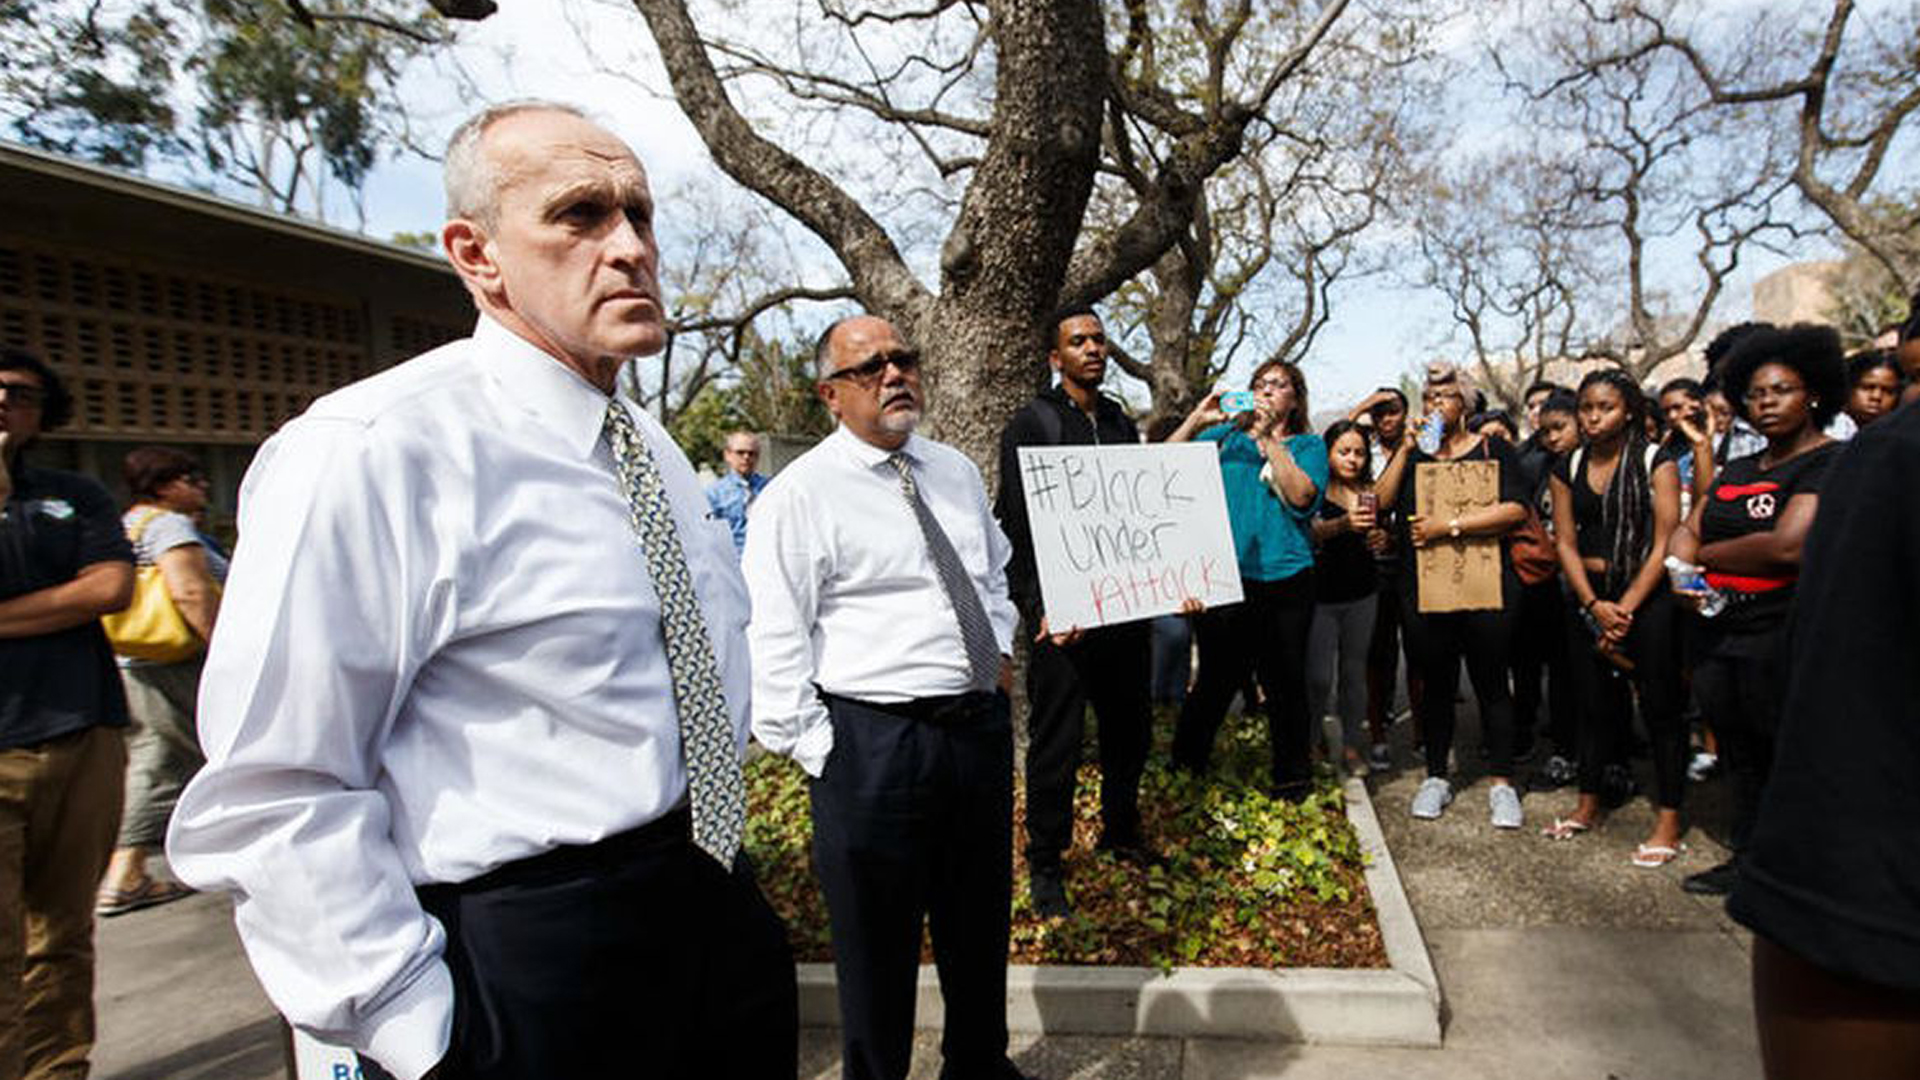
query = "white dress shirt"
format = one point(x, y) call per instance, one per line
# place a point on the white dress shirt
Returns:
point(439, 652)
point(845, 595)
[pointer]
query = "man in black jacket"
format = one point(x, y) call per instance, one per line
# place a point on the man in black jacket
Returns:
point(1070, 667)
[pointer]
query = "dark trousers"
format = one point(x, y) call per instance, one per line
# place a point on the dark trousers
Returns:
point(1540, 648)
point(1109, 669)
point(1172, 638)
point(1384, 653)
point(636, 956)
point(1437, 641)
point(913, 828)
point(1266, 634)
point(1739, 682)
point(1606, 699)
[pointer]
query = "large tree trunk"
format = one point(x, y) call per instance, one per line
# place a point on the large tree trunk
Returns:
point(1004, 260)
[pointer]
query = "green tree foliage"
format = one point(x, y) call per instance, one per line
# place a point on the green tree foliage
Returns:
point(279, 99)
point(700, 427)
point(770, 389)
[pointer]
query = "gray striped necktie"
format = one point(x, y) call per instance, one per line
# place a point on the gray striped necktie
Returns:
point(714, 784)
point(983, 650)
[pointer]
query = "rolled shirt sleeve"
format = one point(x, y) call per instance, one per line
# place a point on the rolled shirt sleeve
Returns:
point(320, 636)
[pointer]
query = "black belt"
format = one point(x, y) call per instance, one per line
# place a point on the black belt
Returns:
point(944, 710)
point(575, 860)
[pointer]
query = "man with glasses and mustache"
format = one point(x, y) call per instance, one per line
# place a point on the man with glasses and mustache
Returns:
point(880, 637)
point(1071, 666)
point(64, 562)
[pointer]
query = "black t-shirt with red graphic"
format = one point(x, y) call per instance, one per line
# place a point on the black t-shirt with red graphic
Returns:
point(1748, 499)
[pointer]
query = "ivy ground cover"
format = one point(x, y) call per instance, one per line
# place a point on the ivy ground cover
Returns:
point(1247, 881)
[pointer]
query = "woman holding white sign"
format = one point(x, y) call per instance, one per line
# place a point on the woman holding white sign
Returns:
point(1266, 633)
point(1437, 640)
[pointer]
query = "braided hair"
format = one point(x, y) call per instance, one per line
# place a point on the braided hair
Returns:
point(1626, 508)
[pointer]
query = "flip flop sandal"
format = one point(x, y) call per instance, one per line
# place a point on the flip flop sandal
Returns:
point(1565, 829)
point(1655, 856)
point(150, 893)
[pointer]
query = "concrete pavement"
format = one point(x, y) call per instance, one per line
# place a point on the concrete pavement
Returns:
point(1558, 960)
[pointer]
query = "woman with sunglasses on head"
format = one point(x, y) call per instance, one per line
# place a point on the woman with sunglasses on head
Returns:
point(1787, 383)
point(163, 751)
point(1346, 535)
point(1440, 639)
point(1274, 470)
point(1616, 502)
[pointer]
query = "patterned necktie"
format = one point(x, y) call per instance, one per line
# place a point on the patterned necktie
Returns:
point(715, 788)
point(983, 650)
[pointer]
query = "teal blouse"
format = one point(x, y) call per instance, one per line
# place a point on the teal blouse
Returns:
point(1270, 536)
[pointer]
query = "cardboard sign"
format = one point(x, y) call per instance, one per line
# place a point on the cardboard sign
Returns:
point(1127, 532)
point(1462, 574)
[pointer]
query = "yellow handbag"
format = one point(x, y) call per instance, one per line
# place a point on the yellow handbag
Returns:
point(151, 628)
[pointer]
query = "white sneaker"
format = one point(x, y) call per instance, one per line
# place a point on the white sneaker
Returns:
point(1434, 795)
point(1505, 803)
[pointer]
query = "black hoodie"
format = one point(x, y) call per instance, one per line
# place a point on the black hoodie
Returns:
point(1051, 419)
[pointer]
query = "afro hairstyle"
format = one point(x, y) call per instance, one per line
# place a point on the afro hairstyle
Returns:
point(1812, 351)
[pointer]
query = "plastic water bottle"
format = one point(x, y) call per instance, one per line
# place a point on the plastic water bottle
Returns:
point(1430, 431)
point(1688, 578)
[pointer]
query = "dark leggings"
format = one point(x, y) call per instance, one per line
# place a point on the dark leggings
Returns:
point(1437, 641)
point(1739, 682)
point(1383, 659)
point(1606, 698)
point(1540, 646)
point(1266, 634)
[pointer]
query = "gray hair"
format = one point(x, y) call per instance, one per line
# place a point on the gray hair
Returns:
point(473, 185)
point(823, 349)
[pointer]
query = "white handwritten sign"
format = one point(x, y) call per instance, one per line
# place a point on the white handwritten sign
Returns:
point(1127, 532)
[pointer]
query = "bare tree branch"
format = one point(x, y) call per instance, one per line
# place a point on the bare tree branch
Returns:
point(879, 274)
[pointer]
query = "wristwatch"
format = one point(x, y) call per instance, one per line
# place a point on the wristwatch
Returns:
point(1453, 528)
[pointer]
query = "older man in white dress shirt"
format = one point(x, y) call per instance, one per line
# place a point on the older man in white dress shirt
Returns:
point(474, 714)
point(881, 629)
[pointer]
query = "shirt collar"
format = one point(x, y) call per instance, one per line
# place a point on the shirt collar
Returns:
point(868, 456)
point(545, 388)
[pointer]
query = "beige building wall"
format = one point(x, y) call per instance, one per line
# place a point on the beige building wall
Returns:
point(1802, 292)
point(194, 322)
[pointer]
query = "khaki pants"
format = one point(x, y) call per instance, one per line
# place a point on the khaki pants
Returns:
point(59, 812)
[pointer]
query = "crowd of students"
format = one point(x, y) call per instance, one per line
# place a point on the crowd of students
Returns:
point(1649, 541)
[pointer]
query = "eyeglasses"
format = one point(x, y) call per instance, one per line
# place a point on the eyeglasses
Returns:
point(1756, 392)
point(868, 372)
point(1437, 395)
point(25, 395)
